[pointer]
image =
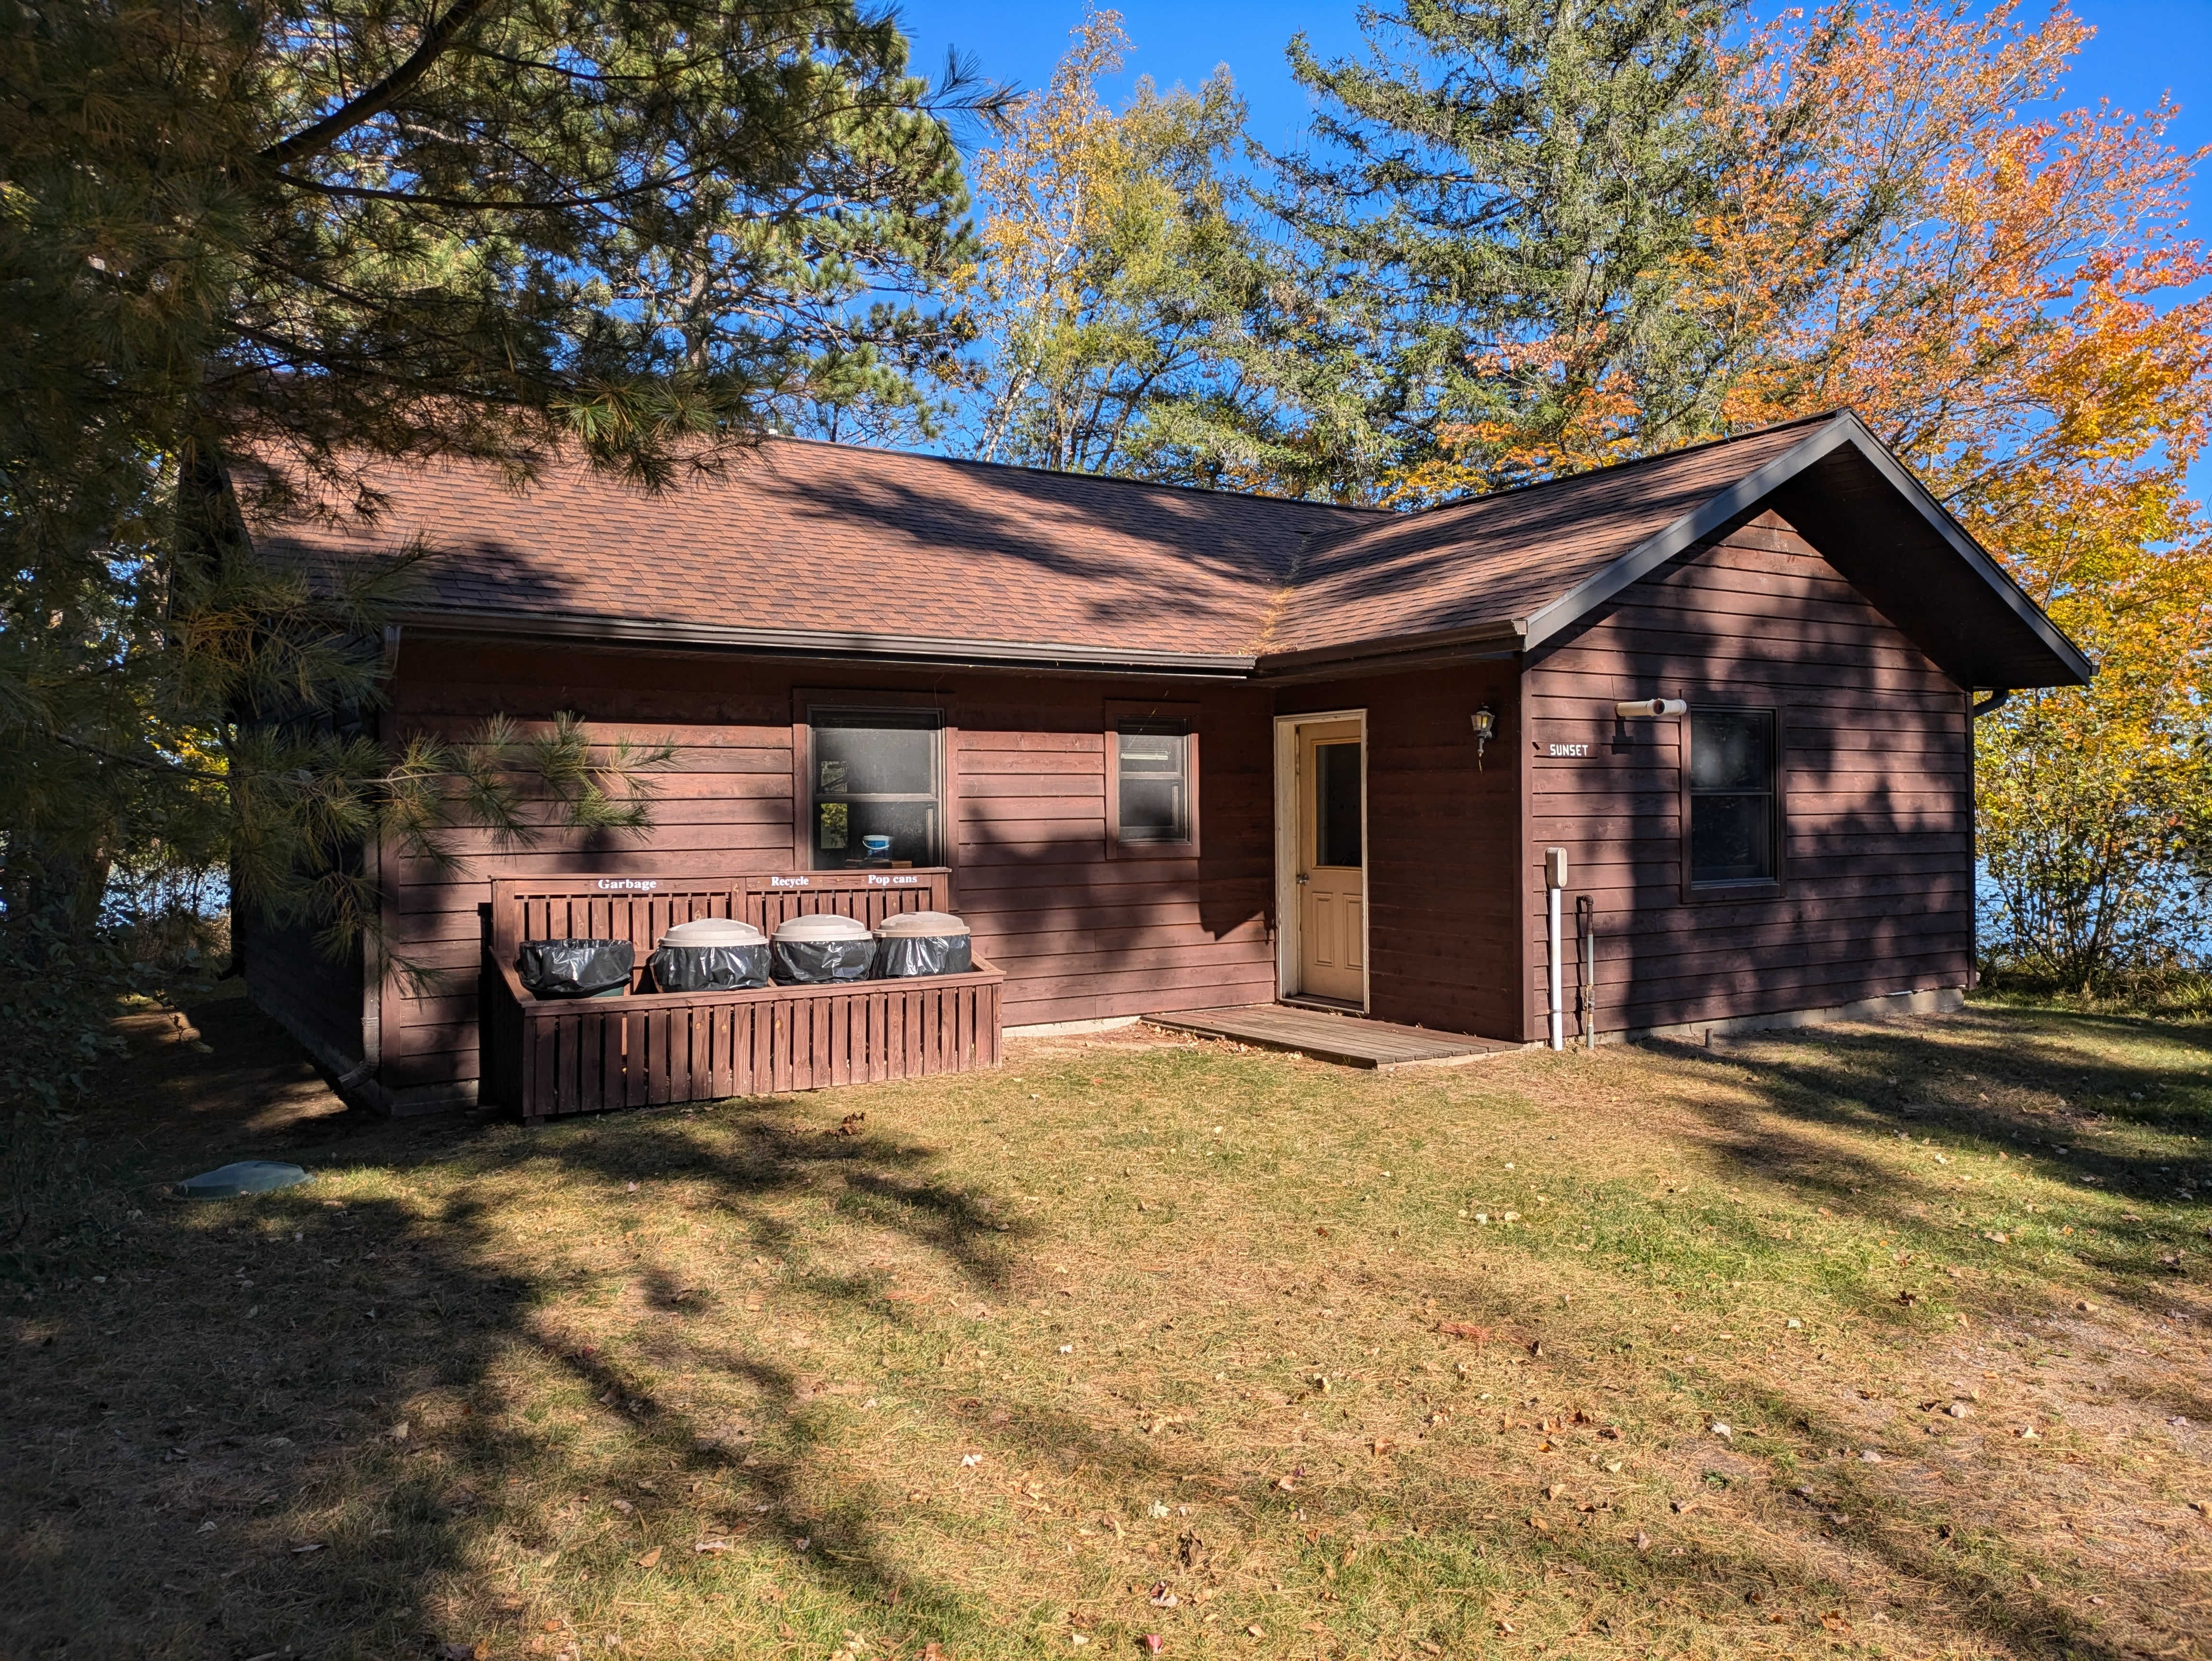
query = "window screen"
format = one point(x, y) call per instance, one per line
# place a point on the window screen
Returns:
point(1732, 819)
point(877, 773)
point(1154, 782)
point(1336, 805)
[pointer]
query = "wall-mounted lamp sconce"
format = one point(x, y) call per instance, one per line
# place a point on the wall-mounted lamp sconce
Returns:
point(1646, 709)
point(1486, 728)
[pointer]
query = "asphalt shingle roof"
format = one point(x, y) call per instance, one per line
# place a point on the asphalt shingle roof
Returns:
point(807, 536)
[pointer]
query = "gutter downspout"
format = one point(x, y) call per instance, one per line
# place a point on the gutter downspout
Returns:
point(1995, 701)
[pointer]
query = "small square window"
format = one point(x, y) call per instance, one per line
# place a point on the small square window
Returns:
point(1154, 761)
point(1734, 818)
point(1152, 780)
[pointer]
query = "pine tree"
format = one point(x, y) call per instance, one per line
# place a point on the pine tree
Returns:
point(344, 232)
point(1495, 204)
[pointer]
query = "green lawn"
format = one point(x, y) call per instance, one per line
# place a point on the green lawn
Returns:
point(1146, 1337)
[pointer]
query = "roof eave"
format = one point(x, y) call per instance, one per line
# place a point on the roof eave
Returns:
point(844, 646)
point(1493, 637)
point(1743, 497)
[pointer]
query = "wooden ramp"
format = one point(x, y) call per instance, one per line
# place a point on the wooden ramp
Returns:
point(1347, 1040)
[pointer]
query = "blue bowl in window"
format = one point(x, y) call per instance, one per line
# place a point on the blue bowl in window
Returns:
point(876, 850)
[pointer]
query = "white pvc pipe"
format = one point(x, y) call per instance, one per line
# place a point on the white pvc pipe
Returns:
point(1558, 1022)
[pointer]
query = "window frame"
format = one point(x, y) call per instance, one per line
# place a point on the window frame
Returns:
point(1745, 888)
point(806, 701)
point(1160, 711)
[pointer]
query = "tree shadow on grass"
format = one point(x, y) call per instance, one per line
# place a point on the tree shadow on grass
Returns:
point(208, 1459)
point(2000, 1087)
point(210, 1396)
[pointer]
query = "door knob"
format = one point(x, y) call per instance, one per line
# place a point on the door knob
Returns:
point(1302, 876)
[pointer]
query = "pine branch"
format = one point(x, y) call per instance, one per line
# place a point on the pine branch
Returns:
point(368, 104)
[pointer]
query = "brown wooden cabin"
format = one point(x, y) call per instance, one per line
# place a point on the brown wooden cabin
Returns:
point(1176, 749)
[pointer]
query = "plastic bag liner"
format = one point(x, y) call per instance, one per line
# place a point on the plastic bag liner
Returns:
point(923, 954)
point(709, 968)
point(923, 943)
point(575, 969)
point(822, 950)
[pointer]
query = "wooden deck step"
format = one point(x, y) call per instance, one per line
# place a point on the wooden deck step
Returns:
point(1347, 1040)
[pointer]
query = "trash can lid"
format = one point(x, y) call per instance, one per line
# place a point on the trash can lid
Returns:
point(713, 931)
point(822, 926)
point(926, 924)
point(245, 1176)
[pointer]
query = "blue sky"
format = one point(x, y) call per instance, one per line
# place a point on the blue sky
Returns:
point(2142, 48)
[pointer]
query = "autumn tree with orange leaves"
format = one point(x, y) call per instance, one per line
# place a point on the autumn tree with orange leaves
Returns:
point(2004, 298)
point(1896, 221)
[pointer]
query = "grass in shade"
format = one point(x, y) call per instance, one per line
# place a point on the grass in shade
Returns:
point(1884, 1341)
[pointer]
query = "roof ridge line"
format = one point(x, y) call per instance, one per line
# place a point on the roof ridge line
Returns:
point(1072, 472)
point(1714, 444)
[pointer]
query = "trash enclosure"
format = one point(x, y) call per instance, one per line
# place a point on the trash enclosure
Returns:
point(548, 1056)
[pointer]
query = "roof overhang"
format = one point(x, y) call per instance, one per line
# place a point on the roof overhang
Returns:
point(1484, 641)
point(914, 650)
point(1844, 493)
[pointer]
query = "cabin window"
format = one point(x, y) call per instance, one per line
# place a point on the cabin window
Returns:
point(1154, 759)
point(1152, 780)
point(1734, 820)
point(877, 773)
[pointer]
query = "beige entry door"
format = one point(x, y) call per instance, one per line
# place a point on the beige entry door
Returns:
point(1332, 863)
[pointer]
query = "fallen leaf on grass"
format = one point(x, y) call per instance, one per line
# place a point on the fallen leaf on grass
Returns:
point(1464, 1329)
point(713, 1548)
point(649, 1558)
point(1833, 1621)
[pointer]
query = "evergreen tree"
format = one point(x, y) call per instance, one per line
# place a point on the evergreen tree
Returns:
point(1495, 206)
point(343, 232)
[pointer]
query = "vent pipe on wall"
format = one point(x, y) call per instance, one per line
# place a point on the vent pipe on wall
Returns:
point(1555, 879)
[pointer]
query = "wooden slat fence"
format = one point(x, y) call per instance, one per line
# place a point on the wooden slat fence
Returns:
point(584, 1056)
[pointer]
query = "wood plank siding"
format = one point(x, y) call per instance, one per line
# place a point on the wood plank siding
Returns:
point(1876, 894)
point(1444, 844)
point(315, 996)
point(1080, 936)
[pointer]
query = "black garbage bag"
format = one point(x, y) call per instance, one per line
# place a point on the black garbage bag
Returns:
point(575, 969)
point(709, 968)
point(819, 951)
point(898, 955)
point(923, 943)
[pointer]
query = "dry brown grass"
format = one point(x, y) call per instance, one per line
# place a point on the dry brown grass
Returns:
point(1142, 1335)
